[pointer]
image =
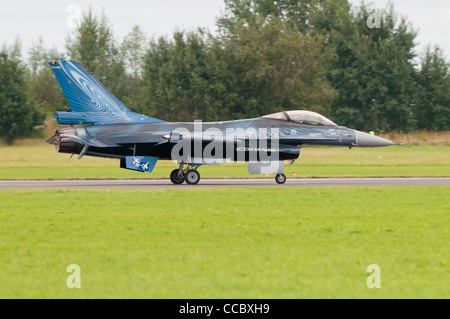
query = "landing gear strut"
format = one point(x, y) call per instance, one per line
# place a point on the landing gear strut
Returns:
point(280, 179)
point(188, 174)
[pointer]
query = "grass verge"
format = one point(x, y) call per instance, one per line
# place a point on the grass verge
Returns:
point(226, 243)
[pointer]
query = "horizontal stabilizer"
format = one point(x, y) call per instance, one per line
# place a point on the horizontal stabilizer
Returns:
point(74, 118)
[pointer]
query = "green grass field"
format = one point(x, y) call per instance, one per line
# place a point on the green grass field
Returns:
point(42, 162)
point(226, 243)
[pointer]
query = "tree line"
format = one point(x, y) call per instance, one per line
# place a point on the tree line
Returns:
point(265, 57)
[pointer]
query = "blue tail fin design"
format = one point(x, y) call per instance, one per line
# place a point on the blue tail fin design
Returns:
point(89, 100)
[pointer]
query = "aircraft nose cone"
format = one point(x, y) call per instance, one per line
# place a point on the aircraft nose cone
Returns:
point(368, 140)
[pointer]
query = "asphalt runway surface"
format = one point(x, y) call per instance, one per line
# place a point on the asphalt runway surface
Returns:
point(209, 183)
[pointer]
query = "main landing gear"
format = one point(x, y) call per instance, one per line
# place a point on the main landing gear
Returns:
point(190, 175)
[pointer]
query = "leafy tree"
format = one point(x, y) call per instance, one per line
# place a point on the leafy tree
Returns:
point(43, 84)
point(94, 46)
point(91, 41)
point(133, 51)
point(176, 78)
point(275, 67)
point(18, 112)
point(374, 72)
point(309, 16)
point(433, 91)
point(259, 68)
point(295, 12)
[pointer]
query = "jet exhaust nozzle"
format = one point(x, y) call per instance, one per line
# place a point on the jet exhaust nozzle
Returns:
point(64, 144)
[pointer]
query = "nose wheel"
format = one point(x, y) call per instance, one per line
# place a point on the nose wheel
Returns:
point(280, 179)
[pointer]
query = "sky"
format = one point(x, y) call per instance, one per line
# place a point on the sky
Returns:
point(431, 18)
point(53, 20)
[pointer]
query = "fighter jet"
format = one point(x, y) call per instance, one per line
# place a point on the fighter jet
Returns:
point(101, 126)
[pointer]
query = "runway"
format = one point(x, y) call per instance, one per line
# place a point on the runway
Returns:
point(210, 183)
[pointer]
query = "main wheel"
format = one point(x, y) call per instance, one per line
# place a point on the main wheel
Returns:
point(176, 178)
point(280, 178)
point(192, 177)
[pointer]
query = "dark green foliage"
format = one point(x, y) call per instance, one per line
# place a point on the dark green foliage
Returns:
point(275, 67)
point(93, 45)
point(259, 69)
point(133, 50)
point(18, 112)
point(433, 91)
point(372, 70)
point(43, 84)
point(178, 79)
point(374, 73)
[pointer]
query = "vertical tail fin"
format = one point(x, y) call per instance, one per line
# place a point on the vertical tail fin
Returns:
point(87, 95)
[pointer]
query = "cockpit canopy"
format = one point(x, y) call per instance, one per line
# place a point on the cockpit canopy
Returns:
point(301, 117)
